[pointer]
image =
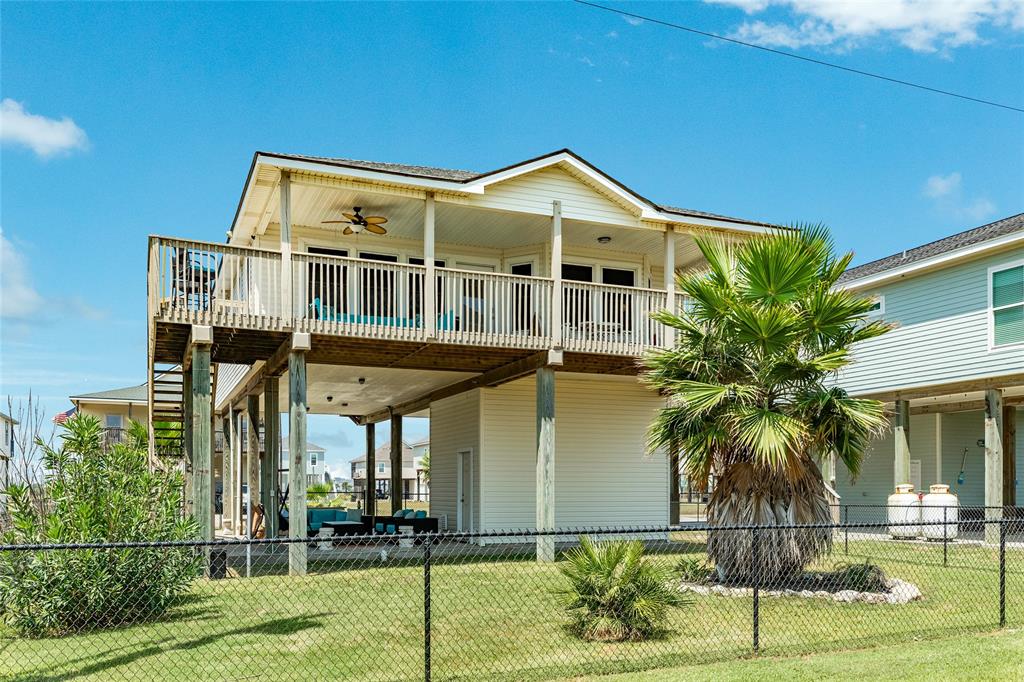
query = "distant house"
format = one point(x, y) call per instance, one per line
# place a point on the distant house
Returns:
point(413, 485)
point(316, 464)
point(952, 369)
point(7, 424)
point(114, 408)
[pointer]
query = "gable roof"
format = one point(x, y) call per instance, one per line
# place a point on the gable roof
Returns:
point(473, 180)
point(383, 453)
point(133, 394)
point(992, 233)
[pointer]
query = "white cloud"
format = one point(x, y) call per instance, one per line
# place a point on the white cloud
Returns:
point(633, 21)
point(947, 195)
point(586, 60)
point(18, 298)
point(920, 25)
point(942, 185)
point(611, 34)
point(45, 136)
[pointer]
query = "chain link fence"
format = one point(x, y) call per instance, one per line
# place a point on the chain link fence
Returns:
point(448, 606)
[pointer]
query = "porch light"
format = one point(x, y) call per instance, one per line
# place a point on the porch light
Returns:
point(604, 240)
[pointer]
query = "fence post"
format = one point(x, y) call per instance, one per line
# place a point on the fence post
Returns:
point(427, 542)
point(945, 536)
point(846, 529)
point(755, 566)
point(1002, 572)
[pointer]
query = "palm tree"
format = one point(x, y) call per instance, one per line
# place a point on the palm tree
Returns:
point(751, 391)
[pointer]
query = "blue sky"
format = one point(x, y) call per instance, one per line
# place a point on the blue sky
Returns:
point(123, 120)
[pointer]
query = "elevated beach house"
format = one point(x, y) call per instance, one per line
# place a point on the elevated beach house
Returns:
point(952, 370)
point(509, 306)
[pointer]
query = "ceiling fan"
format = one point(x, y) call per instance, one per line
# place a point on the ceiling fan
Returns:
point(356, 222)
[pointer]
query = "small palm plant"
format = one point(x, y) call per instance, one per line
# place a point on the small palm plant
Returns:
point(615, 593)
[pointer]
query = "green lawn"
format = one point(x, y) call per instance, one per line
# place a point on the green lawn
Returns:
point(502, 619)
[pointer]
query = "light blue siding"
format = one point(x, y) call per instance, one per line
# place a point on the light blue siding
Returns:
point(942, 334)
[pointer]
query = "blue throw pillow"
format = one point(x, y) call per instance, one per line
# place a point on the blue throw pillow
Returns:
point(420, 514)
point(379, 527)
point(400, 514)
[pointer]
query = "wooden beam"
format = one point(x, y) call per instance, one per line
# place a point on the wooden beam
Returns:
point(252, 456)
point(556, 274)
point(297, 409)
point(901, 437)
point(198, 335)
point(963, 406)
point(946, 389)
point(271, 461)
point(202, 440)
point(186, 435)
point(1009, 455)
point(994, 454)
point(227, 469)
point(495, 377)
point(545, 485)
point(370, 491)
point(396, 462)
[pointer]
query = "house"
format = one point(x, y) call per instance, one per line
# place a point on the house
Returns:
point(413, 485)
point(510, 306)
point(420, 463)
point(316, 465)
point(952, 369)
point(115, 408)
point(7, 442)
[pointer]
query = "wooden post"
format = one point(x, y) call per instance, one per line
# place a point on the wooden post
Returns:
point(545, 462)
point(252, 456)
point(1009, 456)
point(429, 284)
point(186, 436)
point(227, 457)
point(396, 462)
point(370, 491)
point(236, 482)
point(271, 461)
point(901, 437)
point(297, 408)
point(673, 483)
point(938, 447)
point(202, 440)
point(993, 463)
point(556, 274)
point(670, 282)
point(286, 246)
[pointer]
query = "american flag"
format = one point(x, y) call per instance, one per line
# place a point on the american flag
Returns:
point(64, 416)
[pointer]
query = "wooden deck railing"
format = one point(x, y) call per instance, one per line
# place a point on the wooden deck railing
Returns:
point(215, 284)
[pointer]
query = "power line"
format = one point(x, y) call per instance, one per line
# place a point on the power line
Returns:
point(783, 53)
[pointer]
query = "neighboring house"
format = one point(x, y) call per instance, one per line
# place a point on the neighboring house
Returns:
point(114, 408)
point(508, 306)
point(420, 450)
point(316, 464)
point(958, 345)
point(413, 486)
point(7, 440)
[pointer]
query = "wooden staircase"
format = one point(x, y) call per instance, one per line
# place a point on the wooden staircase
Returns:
point(166, 410)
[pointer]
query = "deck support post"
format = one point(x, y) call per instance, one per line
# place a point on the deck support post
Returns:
point(271, 460)
point(237, 448)
point(673, 483)
point(297, 409)
point(370, 489)
point(227, 456)
point(901, 439)
point(285, 211)
point(429, 283)
point(396, 463)
point(545, 462)
point(252, 458)
point(556, 274)
point(670, 283)
point(202, 439)
point(186, 437)
point(993, 463)
point(1009, 460)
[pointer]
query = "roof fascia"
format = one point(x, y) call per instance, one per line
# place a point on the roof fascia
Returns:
point(307, 166)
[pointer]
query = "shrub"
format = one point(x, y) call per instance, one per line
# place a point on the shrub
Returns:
point(694, 570)
point(614, 592)
point(863, 577)
point(318, 495)
point(94, 494)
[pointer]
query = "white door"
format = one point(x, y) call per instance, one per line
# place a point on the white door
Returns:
point(465, 491)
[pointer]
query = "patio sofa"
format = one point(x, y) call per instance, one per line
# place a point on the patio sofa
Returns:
point(418, 520)
point(353, 520)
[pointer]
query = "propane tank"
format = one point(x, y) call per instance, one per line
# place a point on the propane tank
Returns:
point(904, 507)
point(937, 506)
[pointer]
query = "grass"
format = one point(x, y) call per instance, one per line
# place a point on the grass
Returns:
point(501, 619)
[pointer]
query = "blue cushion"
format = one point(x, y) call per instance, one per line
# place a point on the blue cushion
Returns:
point(446, 322)
point(420, 514)
point(400, 514)
point(391, 528)
point(353, 515)
point(379, 527)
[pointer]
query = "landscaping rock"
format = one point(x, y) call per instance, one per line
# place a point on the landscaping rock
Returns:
point(898, 592)
point(846, 596)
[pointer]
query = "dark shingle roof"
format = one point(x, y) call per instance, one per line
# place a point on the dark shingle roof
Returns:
point(454, 175)
point(975, 235)
point(135, 394)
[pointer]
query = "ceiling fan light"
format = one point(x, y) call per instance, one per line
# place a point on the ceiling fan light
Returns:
point(357, 228)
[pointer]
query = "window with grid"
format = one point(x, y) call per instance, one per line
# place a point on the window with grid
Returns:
point(1008, 305)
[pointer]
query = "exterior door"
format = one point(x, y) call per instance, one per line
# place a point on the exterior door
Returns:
point(465, 491)
point(326, 284)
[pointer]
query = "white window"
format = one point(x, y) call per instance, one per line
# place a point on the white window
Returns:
point(114, 421)
point(380, 468)
point(877, 308)
point(312, 458)
point(1006, 304)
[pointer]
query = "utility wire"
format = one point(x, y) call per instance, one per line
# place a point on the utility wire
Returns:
point(796, 56)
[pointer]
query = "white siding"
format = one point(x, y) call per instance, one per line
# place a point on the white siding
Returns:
point(602, 474)
point(942, 332)
point(454, 426)
point(534, 192)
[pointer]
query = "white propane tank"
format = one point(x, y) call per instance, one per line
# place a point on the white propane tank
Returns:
point(904, 507)
point(937, 502)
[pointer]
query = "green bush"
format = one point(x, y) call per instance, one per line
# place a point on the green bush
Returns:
point(95, 494)
point(615, 593)
point(318, 495)
point(863, 577)
point(694, 570)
